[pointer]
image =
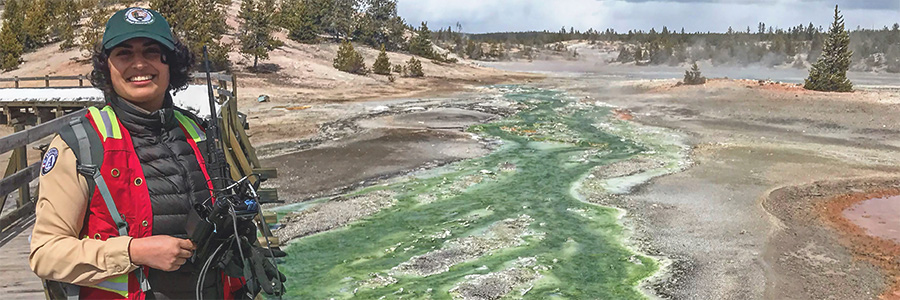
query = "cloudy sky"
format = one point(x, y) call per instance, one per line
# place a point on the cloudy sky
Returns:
point(694, 15)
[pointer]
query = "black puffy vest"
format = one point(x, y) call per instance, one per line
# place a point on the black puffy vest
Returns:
point(175, 182)
point(171, 171)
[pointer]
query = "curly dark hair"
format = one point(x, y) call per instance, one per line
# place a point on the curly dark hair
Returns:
point(180, 62)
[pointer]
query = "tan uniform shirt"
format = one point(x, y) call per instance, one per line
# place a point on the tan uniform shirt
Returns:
point(57, 253)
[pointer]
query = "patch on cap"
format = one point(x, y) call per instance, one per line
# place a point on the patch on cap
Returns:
point(138, 16)
point(49, 161)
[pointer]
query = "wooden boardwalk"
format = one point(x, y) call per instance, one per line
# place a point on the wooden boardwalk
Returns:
point(17, 281)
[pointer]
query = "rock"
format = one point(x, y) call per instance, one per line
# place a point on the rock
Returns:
point(380, 108)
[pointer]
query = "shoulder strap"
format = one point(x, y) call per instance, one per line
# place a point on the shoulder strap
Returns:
point(94, 150)
point(85, 143)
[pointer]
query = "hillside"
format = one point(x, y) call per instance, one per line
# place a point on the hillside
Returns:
point(296, 75)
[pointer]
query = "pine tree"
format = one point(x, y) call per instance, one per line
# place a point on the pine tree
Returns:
point(460, 45)
point(310, 17)
point(894, 37)
point(829, 73)
point(37, 21)
point(624, 55)
point(528, 53)
point(382, 64)
point(67, 14)
point(339, 20)
point(93, 30)
point(414, 68)
point(421, 43)
point(207, 28)
point(10, 48)
point(177, 12)
point(11, 37)
point(299, 18)
point(12, 9)
point(494, 52)
point(348, 60)
point(381, 25)
point(638, 54)
point(256, 29)
point(473, 50)
point(320, 11)
point(396, 33)
point(693, 77)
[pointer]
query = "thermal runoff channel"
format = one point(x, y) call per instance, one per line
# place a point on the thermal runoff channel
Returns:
point(517, 223)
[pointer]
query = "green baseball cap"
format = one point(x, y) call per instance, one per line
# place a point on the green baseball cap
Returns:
point(134, 22)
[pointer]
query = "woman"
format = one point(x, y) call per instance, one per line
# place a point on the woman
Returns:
point(114, 245)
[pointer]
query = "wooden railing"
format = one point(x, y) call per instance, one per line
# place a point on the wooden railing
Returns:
point(217, 77)
point(240, 154)
point(46, 79)
point(19, 174)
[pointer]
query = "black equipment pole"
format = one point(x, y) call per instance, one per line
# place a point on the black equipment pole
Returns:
point(215, 144)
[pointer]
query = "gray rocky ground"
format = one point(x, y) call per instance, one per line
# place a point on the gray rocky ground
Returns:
point(713, 222)
point(716, 225)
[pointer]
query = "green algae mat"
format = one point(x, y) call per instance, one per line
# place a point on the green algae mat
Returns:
point(511, 225)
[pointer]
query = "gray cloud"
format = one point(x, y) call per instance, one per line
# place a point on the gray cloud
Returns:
point(846, 4)
point(622, 15)
point(858, 4)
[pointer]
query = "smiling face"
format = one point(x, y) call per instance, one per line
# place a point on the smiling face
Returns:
point(138, 73)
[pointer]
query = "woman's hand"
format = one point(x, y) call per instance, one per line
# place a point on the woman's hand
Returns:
point(160, 252)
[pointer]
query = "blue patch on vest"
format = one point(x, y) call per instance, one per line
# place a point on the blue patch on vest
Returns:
point(49, 161)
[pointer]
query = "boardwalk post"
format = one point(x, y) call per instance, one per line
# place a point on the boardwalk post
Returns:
point(234, 86)
point(46, 80)
point(22, 158)
point(222, 98)
point(10, 169)
point(17, 81)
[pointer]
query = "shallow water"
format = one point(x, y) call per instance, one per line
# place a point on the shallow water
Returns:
point(577, 247)
point(880, 217)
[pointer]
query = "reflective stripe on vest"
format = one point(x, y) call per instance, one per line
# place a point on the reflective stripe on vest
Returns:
point(106, 122)
point(118, 285)
point(191, 127)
